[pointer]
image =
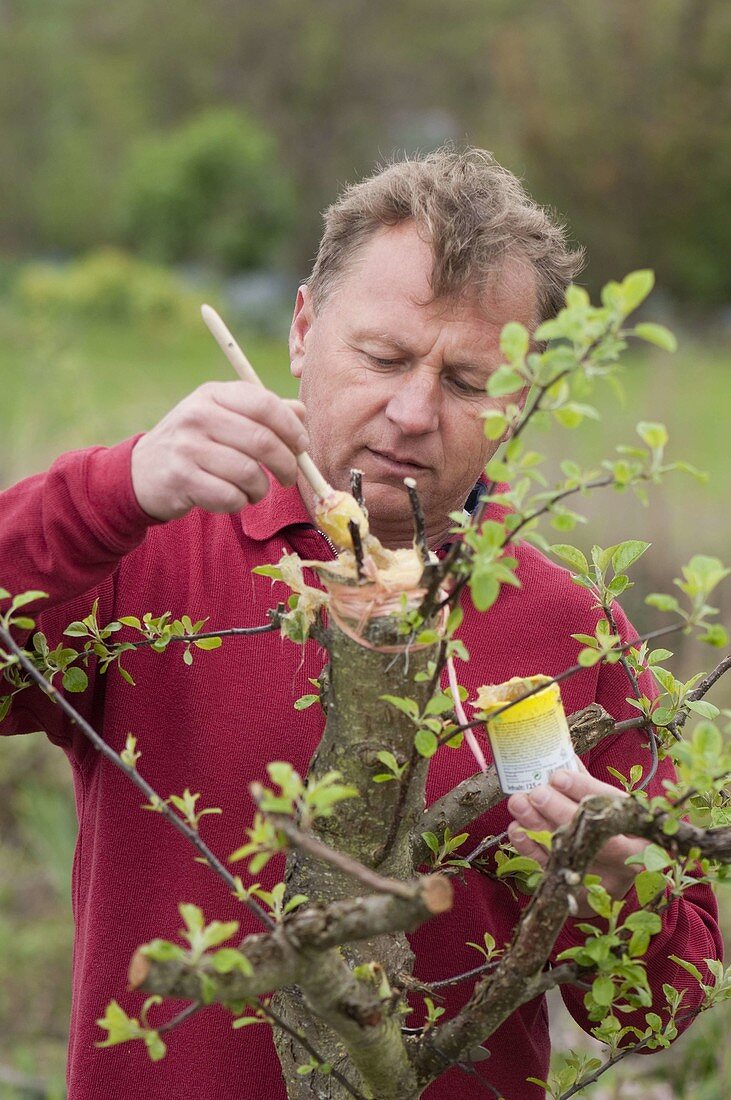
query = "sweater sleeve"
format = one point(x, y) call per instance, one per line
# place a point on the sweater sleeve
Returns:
point(689, 923)
point(63, 533)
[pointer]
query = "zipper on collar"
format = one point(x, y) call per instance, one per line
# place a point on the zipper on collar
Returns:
point(329, 542)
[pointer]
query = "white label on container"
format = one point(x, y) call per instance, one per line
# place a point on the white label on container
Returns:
point(529, 750)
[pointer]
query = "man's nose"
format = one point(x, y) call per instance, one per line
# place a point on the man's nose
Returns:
point(414, 405)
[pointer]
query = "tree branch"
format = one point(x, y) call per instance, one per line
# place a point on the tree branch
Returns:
point(152, 796)
point(704, 686)
point(274, 959)
point(518, 976)
point(305, 842)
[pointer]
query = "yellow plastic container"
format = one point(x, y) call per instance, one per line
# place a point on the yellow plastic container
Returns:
point(531, 740)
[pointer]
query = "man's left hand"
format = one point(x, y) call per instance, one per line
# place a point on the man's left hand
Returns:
point(547, 807)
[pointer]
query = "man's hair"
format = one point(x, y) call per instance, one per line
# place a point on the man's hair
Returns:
point(474, 214)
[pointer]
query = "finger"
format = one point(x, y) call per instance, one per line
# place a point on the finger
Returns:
point(263, 406)
point(525, 846)
point(249, 437)
point(297, 407)
point(234, 468)
point(213, 494)
point(525, 813)
point(578, 785)
point(552, 805)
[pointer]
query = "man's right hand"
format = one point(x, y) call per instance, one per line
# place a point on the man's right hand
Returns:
point(208, 450)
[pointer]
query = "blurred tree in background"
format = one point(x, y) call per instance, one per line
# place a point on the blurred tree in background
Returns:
point(210, 190)
point(617, 113)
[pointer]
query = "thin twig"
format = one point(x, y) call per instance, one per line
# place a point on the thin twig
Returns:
point(152, 796)
point(636, 693)
point(464, 1066)
point(419, 522)
point(628, 670)
point(704, 686)
point(181, 1017)
point(277, 1020)
point(457, 978)
point(357, 548)
point(231, 632)
point(356, 486)
point(314, 847)
point(584, 1082)
point(571, 671)
point(485, 844)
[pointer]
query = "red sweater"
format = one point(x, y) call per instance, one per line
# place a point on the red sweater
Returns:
point(78, 533)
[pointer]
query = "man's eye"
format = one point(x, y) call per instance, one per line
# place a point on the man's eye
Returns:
point(466, 388)
point(384, 362)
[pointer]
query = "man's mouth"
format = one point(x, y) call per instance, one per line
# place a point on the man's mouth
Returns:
point(397, 464)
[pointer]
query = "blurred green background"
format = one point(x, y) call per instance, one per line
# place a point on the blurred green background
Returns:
point(154, 156)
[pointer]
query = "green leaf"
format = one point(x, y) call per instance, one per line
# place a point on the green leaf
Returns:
point(602, 990)
point(705, 709)
point(75, 680)
point(505, 380)
point(76, 629)
point(516, 865)
point(572, 556)
point(27, 597)
point(208, 643)
point(658, 335)
point(305, 701)
point(648, 885)
point(635, 287)
point(642, 921)
point(716, 635)
point(572, 414)
point(272, 571)
point(662, 601)
point(655, 858)
point(439, 704)
point(627, 553)
point(432, 842)
point(389, 760)
point(155, 1046)
point(689, 967)
point(406, 706)
point(162, 951)
point(228, 960)
point(653, 434)
point(193, 917)
point(588, 657)
point(544, 837)
point(456, 615)
point(425, 743)
point(514, 341)
point(494, 424)
point(485, 589)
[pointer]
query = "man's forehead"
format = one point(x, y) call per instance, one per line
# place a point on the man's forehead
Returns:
point(394, 269)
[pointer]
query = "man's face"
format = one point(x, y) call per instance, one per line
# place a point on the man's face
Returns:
point(394, 383)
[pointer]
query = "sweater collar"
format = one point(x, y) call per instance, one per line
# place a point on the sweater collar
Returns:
point(284, 507)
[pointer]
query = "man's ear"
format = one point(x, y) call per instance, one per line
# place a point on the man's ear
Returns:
point(301, 323)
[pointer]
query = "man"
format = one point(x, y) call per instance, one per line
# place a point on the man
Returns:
point(393, 339)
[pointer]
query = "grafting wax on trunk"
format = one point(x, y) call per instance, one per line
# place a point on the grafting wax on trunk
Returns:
point(334, 511)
